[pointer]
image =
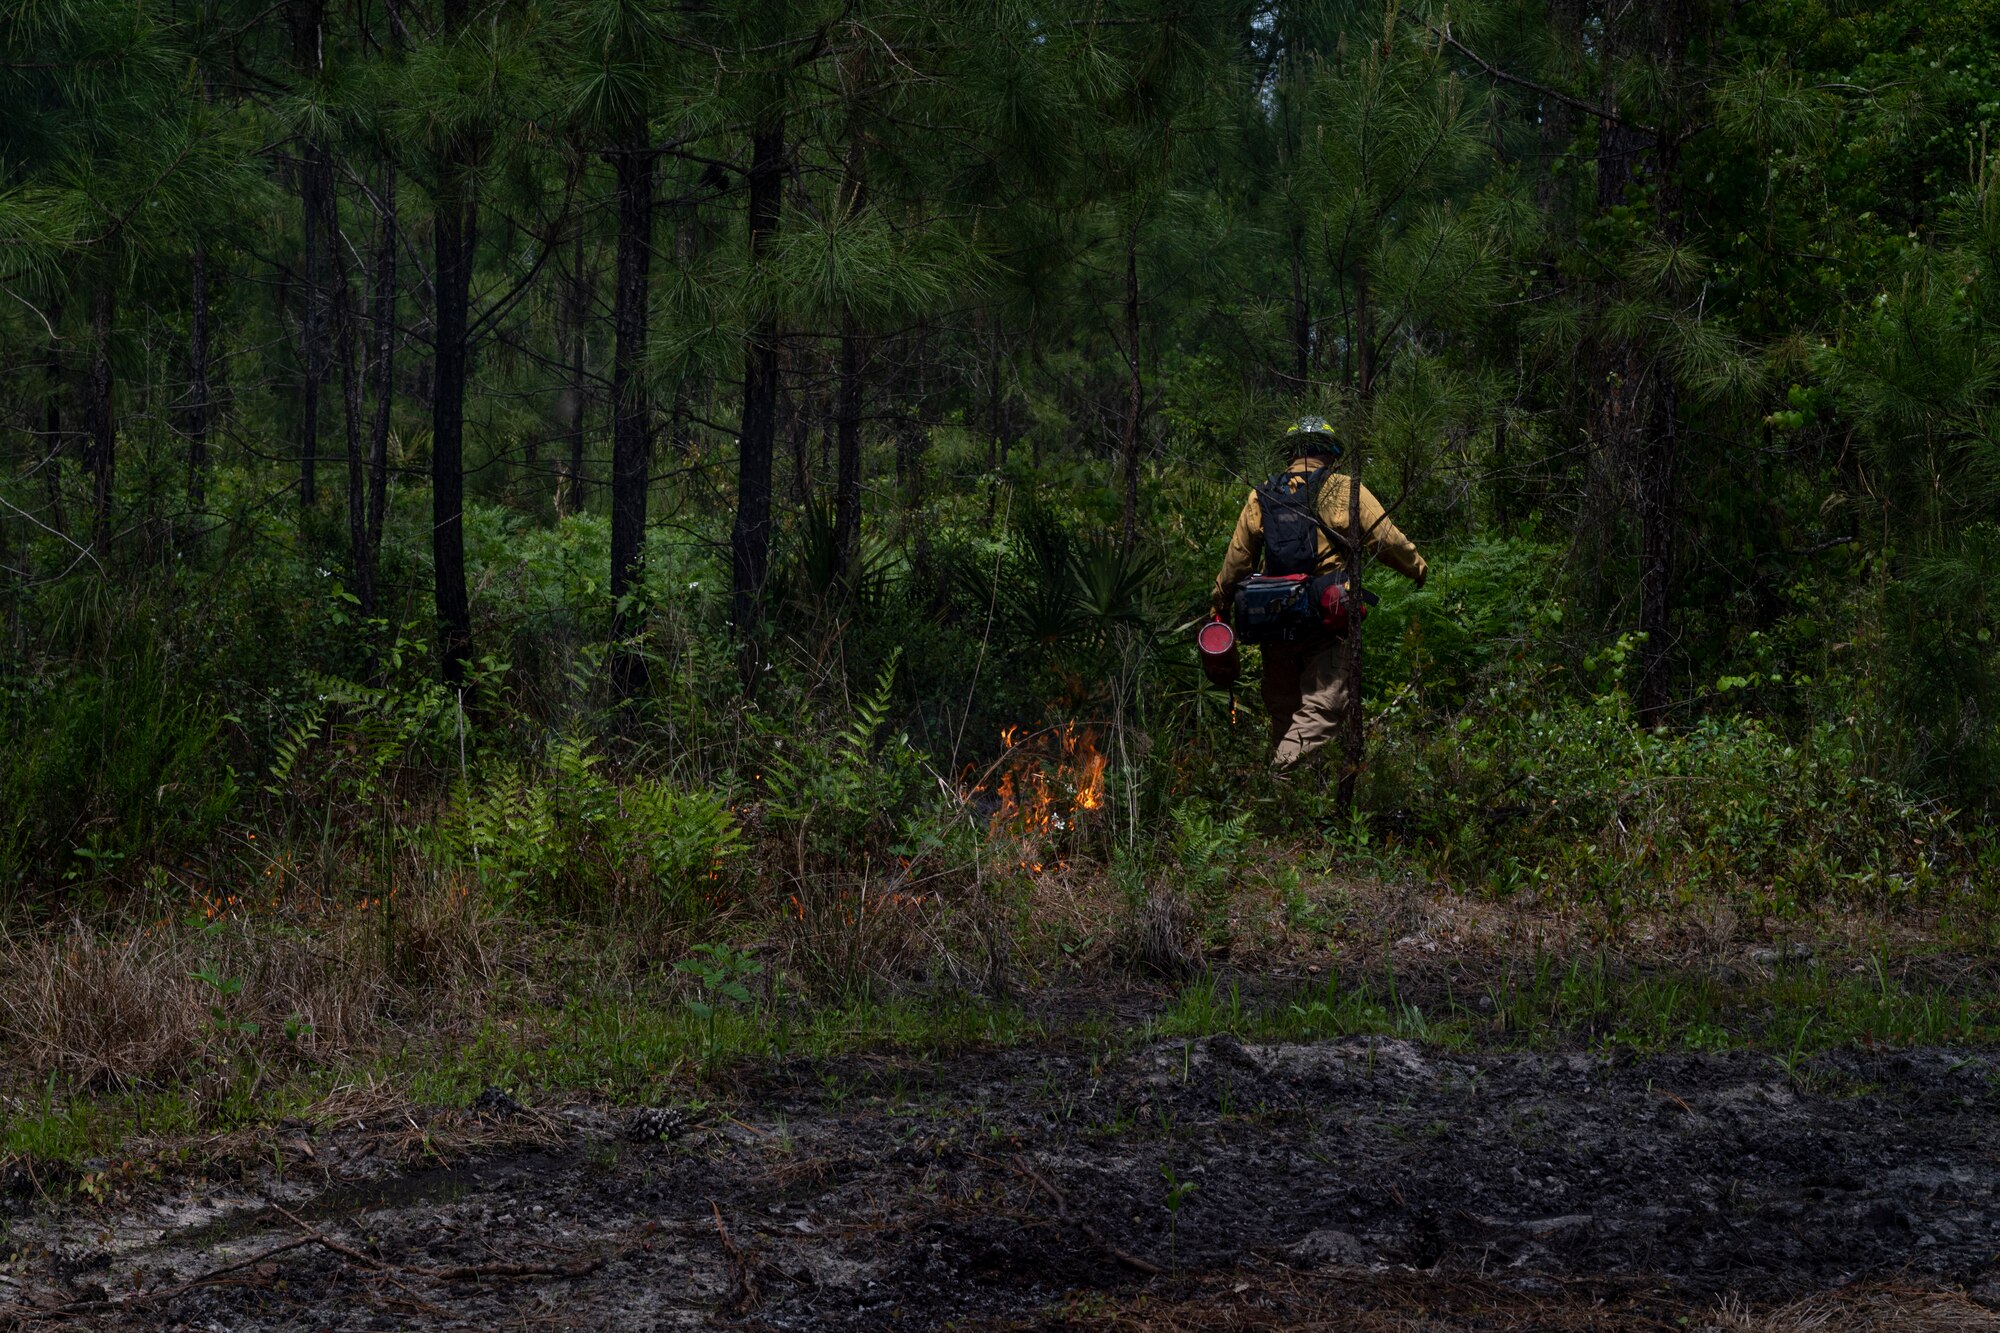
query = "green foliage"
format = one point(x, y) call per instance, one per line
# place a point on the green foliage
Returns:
point(569, 835)
point(721, 972)
point(1489, 602)
point(1573, 798)
point(1208, 853)
point(102, 767)
point(831, 789)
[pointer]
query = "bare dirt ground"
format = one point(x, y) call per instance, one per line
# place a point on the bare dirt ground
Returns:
point(1207, 1184)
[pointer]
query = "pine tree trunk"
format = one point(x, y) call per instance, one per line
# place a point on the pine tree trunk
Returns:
point(993, 450)
point(316, 211)
point(847, 476)
point(631, 438)
point(1301, 314)
point(1135, 402)
point(316, 328)
point(52, 431)
point(912, 442)
point(1559, 120)
point(750, 536)
point(794, 418)
point(680, 427)
point(198, 407)
point(453, 236)
point(1355, 725)
point(990, 324)
point(347, 339)
point(576, 313)
point(1364, 336)
point(1657, 517)
point(385, 369)
point(1637, 426)
point(1659, 513)
point(98, 413)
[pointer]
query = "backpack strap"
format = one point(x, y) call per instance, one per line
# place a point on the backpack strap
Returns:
point(1276, 491)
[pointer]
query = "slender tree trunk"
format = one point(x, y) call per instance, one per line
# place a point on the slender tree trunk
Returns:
point(1135, 402)
point(384, 319)
point(198, 408)
point(1301, 313)
point(794, 413)
point(1357, 723)
point(316, 212)
point(993, 450)
point(1355, 739)
point(680, 429)
point(1638, 422)
point(750, 537)
point(52, 431)
point(347, 340)
point(14, 577)
point(631, 438)
point(827, 413)
point(1364, 336)
point(314, 333)
point(576, 317)
point(1559, 120)
point(98, 412)
point(993, 337)
point(912, 442)
point(847, 475)
point(1657, 515)
point(454, 231)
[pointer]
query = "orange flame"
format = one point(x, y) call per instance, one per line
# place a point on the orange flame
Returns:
point(1048, 783)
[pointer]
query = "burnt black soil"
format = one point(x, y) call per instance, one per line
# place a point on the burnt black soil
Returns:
point(1025, 1187)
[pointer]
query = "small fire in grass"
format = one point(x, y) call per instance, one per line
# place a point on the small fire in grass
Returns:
point(1049, 778)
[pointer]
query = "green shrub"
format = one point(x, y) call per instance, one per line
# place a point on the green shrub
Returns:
point(106, 766)
point(569, 835)
point(1520, 791)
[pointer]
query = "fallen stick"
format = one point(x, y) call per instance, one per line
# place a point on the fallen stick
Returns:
point(467, 1272)
point(212, 1274)
point(212, 1277)
point(314, 1234)
point(1090, 1232)
point(743, 1295)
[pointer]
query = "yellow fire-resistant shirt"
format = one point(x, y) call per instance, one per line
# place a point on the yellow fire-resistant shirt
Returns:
point(1383, 538)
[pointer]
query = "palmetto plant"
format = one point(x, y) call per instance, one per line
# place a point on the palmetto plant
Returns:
point(1061, 592)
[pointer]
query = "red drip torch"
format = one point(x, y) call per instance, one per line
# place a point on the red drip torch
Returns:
point(1219, 659)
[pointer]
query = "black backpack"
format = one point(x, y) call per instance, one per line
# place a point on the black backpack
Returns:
point(1288, 603)
point(1290, 501)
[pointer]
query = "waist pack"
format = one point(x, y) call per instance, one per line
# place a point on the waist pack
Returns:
point(1297, 608)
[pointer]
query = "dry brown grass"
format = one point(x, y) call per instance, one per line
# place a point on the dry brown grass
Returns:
point(111, 1008)
point(1411, 1302)
point(1876, 1309)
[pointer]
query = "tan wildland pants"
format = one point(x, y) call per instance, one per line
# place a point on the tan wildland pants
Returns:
point(1306, 693)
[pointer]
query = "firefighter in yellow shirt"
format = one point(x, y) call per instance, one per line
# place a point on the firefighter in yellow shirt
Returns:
point(1304, 538)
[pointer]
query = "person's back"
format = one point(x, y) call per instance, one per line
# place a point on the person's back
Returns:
point(1306, 538)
